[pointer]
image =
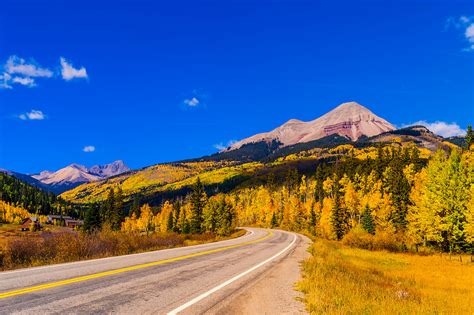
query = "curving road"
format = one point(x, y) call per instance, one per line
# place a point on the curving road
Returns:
point(250, 274)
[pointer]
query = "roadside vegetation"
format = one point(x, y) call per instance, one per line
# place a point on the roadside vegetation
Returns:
point(338, 279)
point(66, 245)
point(106, 232)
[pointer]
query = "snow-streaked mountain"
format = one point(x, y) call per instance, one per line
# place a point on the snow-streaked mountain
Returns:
point(75, 174)
point(107, 170)
point(351, 120)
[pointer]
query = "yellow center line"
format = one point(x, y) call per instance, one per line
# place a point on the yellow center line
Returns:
point(121, 270)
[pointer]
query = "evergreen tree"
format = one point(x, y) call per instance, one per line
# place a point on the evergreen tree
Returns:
point(274, 221)
point(135, 208)
point(469, 137)
point(117, 210)
point(170, 223)
point(176, 211)
point(197, 201)
point(108, 208)
point(337, 219)
point(92, 220)
point(367, 221)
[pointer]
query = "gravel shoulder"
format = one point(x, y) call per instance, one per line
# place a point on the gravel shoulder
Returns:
point(273, 291)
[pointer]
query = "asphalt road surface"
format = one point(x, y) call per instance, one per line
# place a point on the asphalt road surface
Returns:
point(253, 274)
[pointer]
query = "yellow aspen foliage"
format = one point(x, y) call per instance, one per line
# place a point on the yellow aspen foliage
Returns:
point(160, 221)
point(12, 214)
point(145, 221)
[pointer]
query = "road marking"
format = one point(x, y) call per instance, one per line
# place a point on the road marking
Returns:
point(217, 288)
point(126, 269)
point(31, 269)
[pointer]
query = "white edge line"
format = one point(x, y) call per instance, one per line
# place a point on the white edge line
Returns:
point(217, 288)
point(2, 273)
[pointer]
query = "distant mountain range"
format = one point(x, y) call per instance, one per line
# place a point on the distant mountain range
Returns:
point(71, 176)
point(349, 123)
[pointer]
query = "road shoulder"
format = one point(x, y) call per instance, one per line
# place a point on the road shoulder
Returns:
point(273, 291)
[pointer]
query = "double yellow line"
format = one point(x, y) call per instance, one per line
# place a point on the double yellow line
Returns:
point(122, 270)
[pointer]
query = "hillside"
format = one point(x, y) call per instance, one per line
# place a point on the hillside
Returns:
point(253, 163)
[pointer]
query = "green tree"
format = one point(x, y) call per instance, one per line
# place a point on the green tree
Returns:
point(367, 220)
point(469, 137)
point(274, 221)
point(117, 214)
point(337, 221)
point(92, 220)
point(170, 223)
point(176, 211)
point(198, 201)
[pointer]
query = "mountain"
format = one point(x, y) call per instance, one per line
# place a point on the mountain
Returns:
point(107, 170)
point(350, 120)
point(26, 178)
point(73, 175)
point(350, 130)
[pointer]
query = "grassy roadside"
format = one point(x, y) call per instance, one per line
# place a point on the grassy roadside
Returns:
point(341, 280)
point(53, 248)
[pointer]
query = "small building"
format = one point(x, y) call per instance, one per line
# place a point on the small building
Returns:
point(73, 224)
point(29, 223)
point(58, 219)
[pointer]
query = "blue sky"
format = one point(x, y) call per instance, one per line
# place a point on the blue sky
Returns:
point(157, 81)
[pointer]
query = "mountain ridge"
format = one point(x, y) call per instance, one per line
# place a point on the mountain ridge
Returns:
point(349, 119)
point(71, 176)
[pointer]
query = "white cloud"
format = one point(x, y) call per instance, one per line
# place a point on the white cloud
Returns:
point(4, 78)
point(89, 148)
point(17, 65)
point(222, 146)
point(24, 81)
point(68, 72)
point(32, 115)
point(441, 128)
point(193, 102)
point(467, 24)
point(470, 34)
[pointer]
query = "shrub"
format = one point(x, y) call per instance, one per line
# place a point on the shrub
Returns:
point(360, 238)
point(68, 246)
point(382, 240)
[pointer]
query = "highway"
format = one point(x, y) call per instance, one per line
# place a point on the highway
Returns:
point(254, 273)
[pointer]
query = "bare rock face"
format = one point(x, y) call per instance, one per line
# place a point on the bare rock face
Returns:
point(348, 119)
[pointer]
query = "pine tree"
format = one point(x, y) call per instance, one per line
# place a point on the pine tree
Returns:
point(170, 223)
point(337, 219)
point(469, 137)
point(367, 221)
point(176, 211)
point(274, 222)
point(197, 201)
point(108, 208)
point(92, 220)
point(135, 208)
point(116, 215)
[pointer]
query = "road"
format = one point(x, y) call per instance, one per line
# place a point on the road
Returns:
point(251, 274)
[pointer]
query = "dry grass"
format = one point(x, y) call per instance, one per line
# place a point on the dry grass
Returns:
point(343, 280)
point(65, 246)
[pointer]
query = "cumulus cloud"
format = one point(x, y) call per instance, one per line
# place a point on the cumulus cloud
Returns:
point(222, 146)
point(193, 102)
point(18, 71)
point(466, 24)
point(4, 79)
point(88, 148)
point(441, 128)
point(68, 72)
point(32, 115)
point(24, 81)
point(17, 65)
